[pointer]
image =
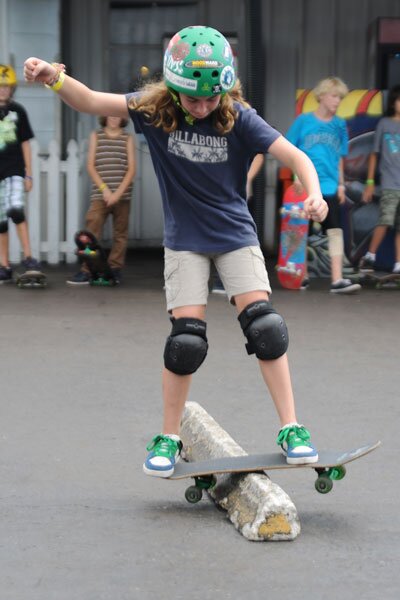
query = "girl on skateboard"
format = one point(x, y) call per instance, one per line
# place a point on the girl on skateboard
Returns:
point(202, 143)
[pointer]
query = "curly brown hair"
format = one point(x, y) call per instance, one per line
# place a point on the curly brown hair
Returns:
point(157, 104)
point(103, 122)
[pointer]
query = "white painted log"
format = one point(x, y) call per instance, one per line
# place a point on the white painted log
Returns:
point(259, 509)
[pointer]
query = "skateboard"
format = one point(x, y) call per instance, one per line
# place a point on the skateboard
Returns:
point(90, 252)
point(381, 279)
point(31, 279)
point(330, 467)
point(293, 240)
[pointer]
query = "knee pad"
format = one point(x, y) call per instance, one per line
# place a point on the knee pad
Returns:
point(265, 330)
point(17, 215)
point(3, 226)
point(186, 346)
point(335, 242)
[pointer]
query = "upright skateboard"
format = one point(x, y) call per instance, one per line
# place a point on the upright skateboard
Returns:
point(330, 467)
point(293, 240)
point(31, 279)
point(90, 252)
point(381, 279)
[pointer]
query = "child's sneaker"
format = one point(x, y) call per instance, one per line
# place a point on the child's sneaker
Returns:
point(345, 286)
point(80, 278)
point(5, 275)
point(164, 453)
point(305, 283)
point(294, 440)
point(367, 264)
point(396, 268)
point(31, 264)
point(218, 287)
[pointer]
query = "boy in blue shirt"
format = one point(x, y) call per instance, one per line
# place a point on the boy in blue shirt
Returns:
point(322, 135)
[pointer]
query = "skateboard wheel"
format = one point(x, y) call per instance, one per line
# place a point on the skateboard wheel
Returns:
point(324, 484)
point(337, 473)
point(193, 494)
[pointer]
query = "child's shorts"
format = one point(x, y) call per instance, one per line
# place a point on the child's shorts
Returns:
point(12, 195)
point(187, 274)
point(389, 209)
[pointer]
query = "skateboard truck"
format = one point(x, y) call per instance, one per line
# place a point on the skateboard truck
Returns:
point(194, 493)
point(290, 268)
point(326, 477)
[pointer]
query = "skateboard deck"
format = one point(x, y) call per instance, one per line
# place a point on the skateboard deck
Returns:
point(381, 278)
point(31, 279)
point(90, 252)
point(330, 467)
point(293, 240)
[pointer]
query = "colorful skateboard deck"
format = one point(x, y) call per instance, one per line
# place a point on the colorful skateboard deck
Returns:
point(90, 252)
point(31, 279)
point(330, 467)
point(293, 240)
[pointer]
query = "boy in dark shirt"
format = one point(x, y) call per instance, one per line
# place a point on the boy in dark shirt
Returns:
point(15, 172)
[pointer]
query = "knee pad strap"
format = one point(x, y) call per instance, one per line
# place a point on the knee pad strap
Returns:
point(265, 330)
point(186, 347)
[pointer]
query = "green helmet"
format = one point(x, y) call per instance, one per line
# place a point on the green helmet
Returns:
point(199, 62)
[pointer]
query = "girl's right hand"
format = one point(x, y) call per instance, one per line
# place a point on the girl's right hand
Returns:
point(36, 69)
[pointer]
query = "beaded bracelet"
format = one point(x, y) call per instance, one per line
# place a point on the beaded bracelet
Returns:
point(102, 187)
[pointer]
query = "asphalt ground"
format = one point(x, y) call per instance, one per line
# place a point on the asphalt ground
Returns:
point(80, 399)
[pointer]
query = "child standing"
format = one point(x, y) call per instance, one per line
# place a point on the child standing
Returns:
point(15, 172)
point(322, 135)
point(387, 148)
point(111, 165)
point(202, 143)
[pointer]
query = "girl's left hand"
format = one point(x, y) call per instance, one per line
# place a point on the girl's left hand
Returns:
point(316, 208)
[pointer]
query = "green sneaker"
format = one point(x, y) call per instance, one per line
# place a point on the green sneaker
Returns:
point(164, 453)
point(294, 442)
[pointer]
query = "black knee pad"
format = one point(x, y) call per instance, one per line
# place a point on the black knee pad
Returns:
point(186, 346)
point(265, 329)
point(17, 215)
point(3, 226)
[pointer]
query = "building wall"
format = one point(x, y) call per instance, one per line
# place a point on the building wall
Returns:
point(32, 28)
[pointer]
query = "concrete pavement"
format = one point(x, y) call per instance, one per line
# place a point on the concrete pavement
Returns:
point(80, 399)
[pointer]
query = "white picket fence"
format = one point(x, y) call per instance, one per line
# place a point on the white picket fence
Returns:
point(54, 206)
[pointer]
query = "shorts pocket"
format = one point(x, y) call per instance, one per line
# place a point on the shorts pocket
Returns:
point(171, 277)
point(258, 261)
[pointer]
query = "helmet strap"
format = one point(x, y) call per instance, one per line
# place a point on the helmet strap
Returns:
point(188, 117)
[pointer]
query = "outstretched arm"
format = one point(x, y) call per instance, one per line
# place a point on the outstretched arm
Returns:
point(315, 206)
point(74, 93)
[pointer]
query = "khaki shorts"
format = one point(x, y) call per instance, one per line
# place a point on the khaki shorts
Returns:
point(389, 209)
point(187, 274)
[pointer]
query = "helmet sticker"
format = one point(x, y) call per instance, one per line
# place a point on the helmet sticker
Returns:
point(204, 50)
point(227, 52)
point(174, 65)
point(183, 82)
point(217, 88)
point(203, 64)
point(227, 78)
point(180, 51)
point(174, 40)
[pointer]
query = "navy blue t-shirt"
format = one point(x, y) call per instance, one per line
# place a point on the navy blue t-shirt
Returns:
point(202, 177)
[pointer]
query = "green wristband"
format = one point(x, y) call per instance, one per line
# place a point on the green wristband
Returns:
point(370, 182)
